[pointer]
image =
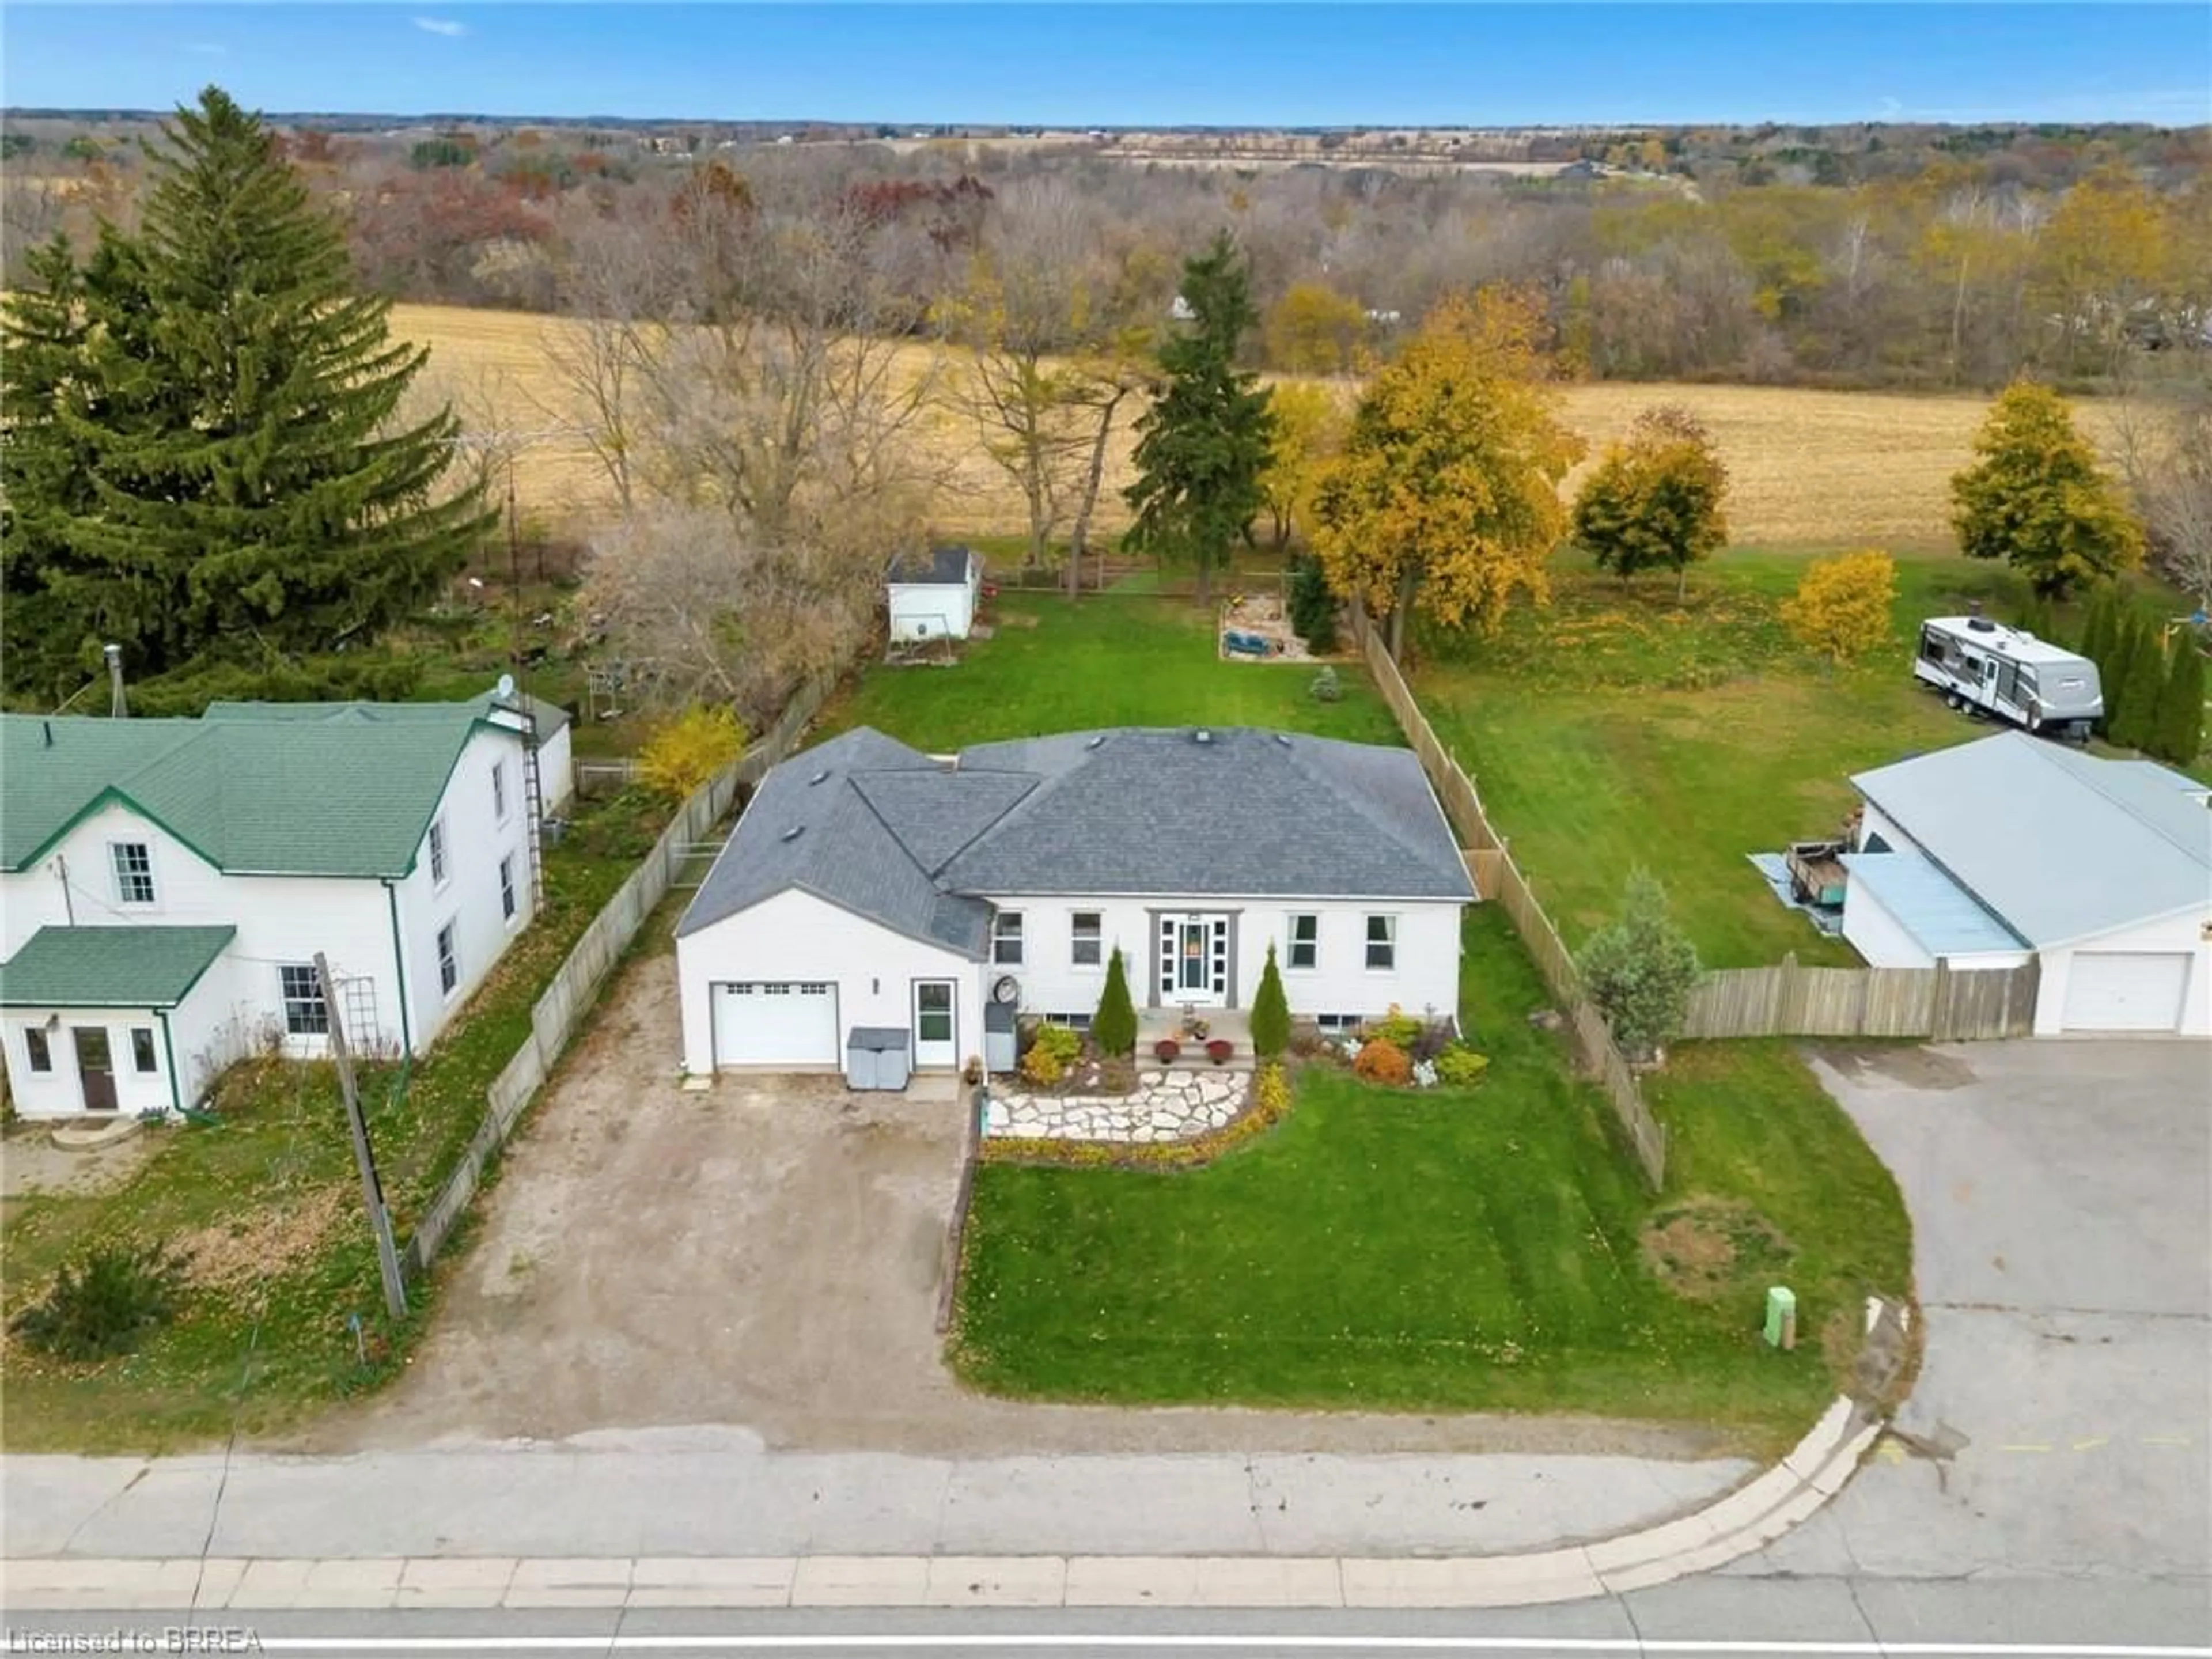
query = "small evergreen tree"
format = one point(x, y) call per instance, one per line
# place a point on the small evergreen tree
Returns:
point(1641, 970)
point(2180, 735)
point(1313, 606)
point(1114, 1025)
point(2097, 626)
point(1271, 1012)
point(2113, 669)
point(2136, 725)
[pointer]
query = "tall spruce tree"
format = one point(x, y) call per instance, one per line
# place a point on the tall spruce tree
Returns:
point(2143, 681)
point(2097, 626)
point(219, 470)
point(1204, 443)
point(2180, 735)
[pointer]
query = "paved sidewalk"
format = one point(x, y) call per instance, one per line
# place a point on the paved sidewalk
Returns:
point(717, 1492)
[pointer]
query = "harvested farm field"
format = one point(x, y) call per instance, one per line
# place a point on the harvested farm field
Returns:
point(1810, 468)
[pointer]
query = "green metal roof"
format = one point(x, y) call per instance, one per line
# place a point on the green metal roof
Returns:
point(109, 967)
point(252, 792)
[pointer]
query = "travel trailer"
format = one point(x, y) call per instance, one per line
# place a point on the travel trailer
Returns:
point(1982, 665)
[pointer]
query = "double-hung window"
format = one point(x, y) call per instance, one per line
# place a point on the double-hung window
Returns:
point(1085, 941)
point(449, 964)
point(507, 887)
point(133, 863)
point(440, 869)
point(1007, 939)
point(305, 1014)
point(499, 790)
point(1305, 942)
point(1382, 942)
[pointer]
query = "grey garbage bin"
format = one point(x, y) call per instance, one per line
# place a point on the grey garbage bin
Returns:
point(998, 1038)
point(876, 1057)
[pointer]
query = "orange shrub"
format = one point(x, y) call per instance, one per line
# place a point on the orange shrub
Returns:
point(1383, 1062)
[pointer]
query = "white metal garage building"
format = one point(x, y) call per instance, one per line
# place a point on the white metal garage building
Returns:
point(1982, 855)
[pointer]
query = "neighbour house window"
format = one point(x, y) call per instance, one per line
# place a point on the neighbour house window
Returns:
point(507, 887)
point(305, 1014)
point(1007, 939)
point(1305, 942)
point(1381, 941)
point(499, 790)
point(438, 868)
point(449, 965)
point(134, 872)
point(142, 1049)
point(34, 1045)
point(1084, 951)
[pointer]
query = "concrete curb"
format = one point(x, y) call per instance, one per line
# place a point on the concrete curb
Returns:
point(1748, 1519)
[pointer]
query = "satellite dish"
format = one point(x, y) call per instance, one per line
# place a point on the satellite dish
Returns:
point(1007, 992)
point(506, 685)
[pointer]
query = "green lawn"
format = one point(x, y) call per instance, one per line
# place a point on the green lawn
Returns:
point(1103, 660)
point(1619, 728)
point(1444, 1251)
point(263, 1339)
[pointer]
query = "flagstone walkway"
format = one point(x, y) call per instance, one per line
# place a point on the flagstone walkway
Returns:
point(1166, 1106)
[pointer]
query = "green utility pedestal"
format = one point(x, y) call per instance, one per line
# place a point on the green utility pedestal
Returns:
point(1781, 1317)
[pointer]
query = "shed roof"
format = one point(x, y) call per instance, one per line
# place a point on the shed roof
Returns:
point(2059, 844)
point(324, 790)
point(936, 567)
point(109, 967)
point(1944, 918)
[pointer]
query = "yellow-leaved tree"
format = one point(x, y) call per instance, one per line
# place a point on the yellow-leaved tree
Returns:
point(1447, 496)
point(1309, 428)
point(1841, 608)
point(683, 753)
point(1314, 330)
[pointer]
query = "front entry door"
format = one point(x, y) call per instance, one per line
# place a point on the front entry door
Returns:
point(95, 1068)
point(1194, 959)
point(936, 1043)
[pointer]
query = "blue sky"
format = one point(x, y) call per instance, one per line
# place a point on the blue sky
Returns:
point(1127, 64)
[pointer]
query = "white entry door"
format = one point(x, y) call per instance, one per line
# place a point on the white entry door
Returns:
point(775, 1022)
point(2125, 990)
point(936, 1029)
point(1194, 959)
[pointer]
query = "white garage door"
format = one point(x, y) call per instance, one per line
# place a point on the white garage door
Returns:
point(775, 1022)
point(2125, 990)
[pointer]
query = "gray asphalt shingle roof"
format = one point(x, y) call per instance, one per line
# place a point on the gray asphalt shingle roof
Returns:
point(2062, 846)
point(886, 832)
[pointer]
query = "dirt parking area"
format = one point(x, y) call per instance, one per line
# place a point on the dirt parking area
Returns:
point(764, 1255)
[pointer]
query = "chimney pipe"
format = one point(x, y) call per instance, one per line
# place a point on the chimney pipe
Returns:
point(117, 707)
point(49, 726)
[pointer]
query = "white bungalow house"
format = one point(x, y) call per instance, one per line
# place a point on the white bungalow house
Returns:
point(2014, 848)
point(166, 884)
point(932, 595)
point(869, 887)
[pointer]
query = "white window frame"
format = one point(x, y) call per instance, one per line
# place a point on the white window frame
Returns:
point(302, 1007)
point(1291, 963)
point(441, 862)
point(118, 856)
point(1389, 942)
point(1077, 939)
point(38, 1051)
point(507, 906)
point(1003, 935)
point(449, 961)
point(147, 1063)
point(499, 789)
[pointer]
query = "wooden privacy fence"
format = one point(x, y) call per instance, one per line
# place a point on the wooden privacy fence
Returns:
point(1497, 876)
point(1939, 1002)
point(554, 1019)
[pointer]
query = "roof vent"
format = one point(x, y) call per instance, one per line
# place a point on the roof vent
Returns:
point(1282, 739)
point(1095, 740)
point(1981, 624)
point(793, 833)
point(822, 776)
point(1201, 736)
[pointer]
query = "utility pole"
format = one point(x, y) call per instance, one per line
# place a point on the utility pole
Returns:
point(372, 1191)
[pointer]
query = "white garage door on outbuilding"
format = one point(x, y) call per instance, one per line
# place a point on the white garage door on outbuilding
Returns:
point(775, 1022)
point(2126, 990)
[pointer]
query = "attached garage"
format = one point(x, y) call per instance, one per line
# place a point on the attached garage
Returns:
point(2126, 991)
point(790, 1023)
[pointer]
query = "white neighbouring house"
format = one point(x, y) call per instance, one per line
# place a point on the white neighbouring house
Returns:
point(870, 887)
point(933, 595)
point(2014, 848)
point(166, 884)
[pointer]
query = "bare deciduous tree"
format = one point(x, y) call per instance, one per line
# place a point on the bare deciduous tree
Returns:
point(2164, 451)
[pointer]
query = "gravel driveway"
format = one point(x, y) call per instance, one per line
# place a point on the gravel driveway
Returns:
point(764, 1255)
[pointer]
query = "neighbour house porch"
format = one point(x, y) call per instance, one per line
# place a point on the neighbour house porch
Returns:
point(1229, 1025)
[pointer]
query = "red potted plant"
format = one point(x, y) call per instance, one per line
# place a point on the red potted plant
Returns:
point(1220, 1049)
point(1166, 1049)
